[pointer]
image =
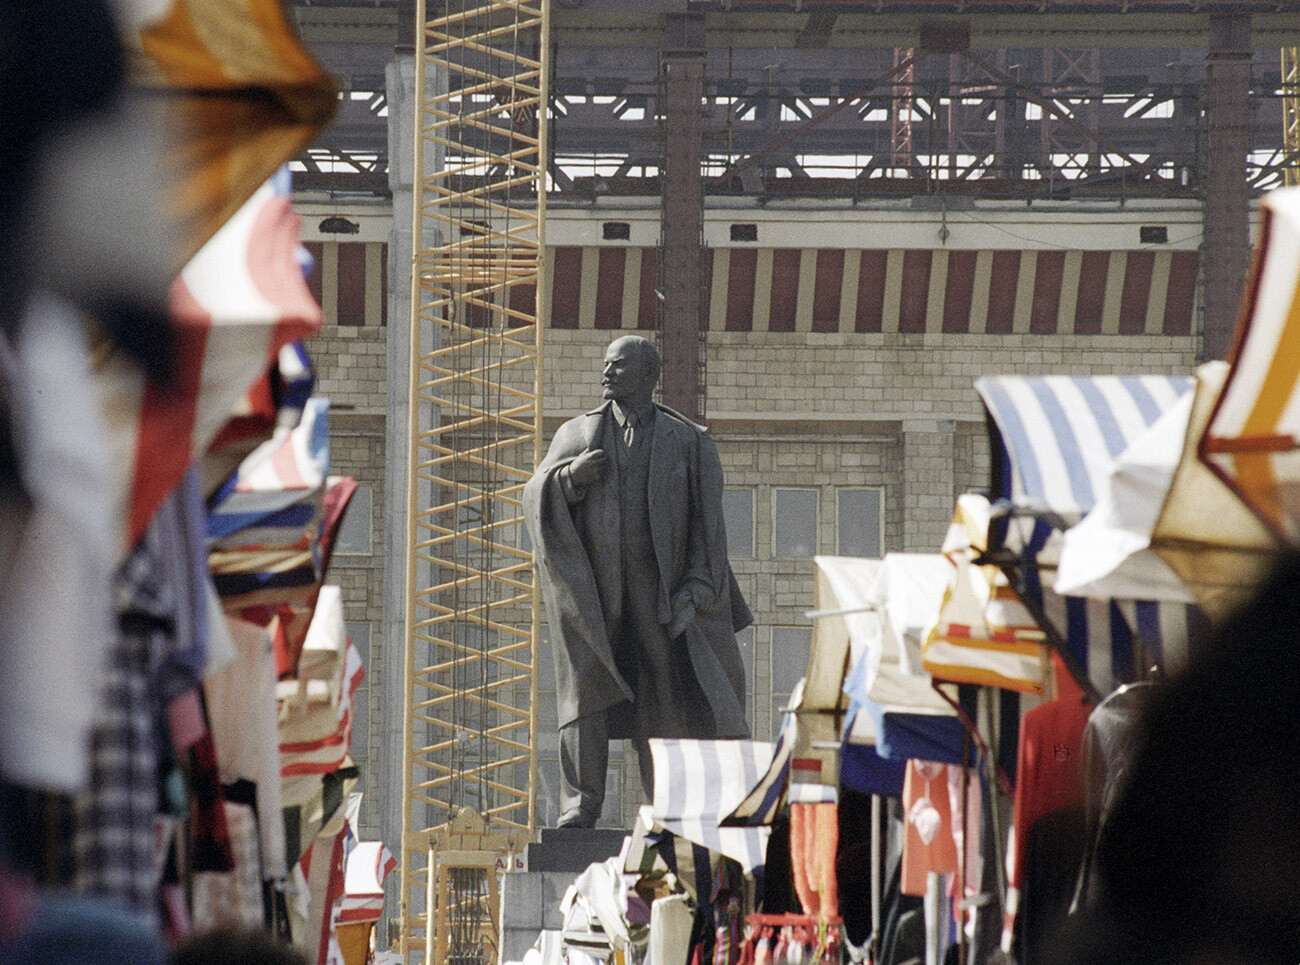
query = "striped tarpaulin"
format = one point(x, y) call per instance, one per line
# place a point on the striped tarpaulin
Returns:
point(699, 782)
point(767, 798)
point(265, 526)
point(315, 709)
point(1253, 438)
point(1055, 292)
point(983, 634)
point(236, 303)
point(242, 97)
point(1056, 438)
point(368, 864)
point(1060, 434)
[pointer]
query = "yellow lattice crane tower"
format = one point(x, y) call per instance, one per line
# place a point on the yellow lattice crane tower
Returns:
point(1291, 113)
point(474, 437)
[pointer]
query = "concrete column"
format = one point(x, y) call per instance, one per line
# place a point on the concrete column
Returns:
point(681, 249)
point(1227, 198)
point(388, 678)
point(929, 482)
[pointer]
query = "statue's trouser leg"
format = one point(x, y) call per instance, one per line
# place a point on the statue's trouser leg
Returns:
point(584, 760)
point(645, 764)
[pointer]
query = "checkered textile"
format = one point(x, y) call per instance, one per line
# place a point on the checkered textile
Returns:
point(116, 851)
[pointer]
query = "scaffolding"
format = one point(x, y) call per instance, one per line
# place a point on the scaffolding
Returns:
point(470, 753)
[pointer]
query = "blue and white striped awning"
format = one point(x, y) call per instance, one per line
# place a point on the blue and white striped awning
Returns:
point(768, 796)
point(699, 782)
point(1057, 435)
point(1054, 440)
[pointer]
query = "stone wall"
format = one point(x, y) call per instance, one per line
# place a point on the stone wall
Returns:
point(350, 370)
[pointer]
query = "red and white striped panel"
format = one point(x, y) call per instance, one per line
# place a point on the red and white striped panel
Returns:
point(367, 866)
point(1031, 292)
point(235, 304)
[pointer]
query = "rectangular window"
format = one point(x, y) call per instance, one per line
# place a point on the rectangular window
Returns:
point(354, 534)
point(794, 533)
point(359, 634)
point(858, 517)
point(745, 638)
point(738, 516)
point(790, 649)
point(351, 303)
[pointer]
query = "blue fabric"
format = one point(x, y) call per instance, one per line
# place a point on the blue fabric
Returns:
point(862, 769)
point(924, 737)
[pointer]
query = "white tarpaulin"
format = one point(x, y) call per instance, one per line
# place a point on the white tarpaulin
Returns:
point(1109, 555)
point(884, 607)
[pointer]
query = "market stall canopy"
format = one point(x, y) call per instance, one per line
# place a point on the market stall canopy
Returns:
point(1053, 441)
point(698, 783)
point(1252, 440)
point(900, 595)
point(1219, 548)
point(235, 304)
point(1109, 555)
point(768, 797)
point(368, 864)
point(240, 95)
point(316, 711)
point(880, 606)
point(982, 633)
point(265, 527)
point(1054, 438)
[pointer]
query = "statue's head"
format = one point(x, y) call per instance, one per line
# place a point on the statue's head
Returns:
point(631, 370)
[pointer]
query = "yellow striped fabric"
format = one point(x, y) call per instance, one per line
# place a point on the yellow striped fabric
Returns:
point(983, 634)
point(1253, 439)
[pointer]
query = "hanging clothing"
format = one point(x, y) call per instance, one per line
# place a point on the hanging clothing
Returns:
point(670, 931)
point(927, 814)
point(235, 897)
point(242, 709)
point(1052, 856)
point(1050, 765)
point(115, 847)
point(56, 545)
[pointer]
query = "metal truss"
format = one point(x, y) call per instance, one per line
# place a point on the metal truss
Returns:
point(963, 125)
point(472, 615)
point(1020, 136)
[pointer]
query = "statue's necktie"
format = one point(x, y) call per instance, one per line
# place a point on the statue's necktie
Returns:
point(629, 430)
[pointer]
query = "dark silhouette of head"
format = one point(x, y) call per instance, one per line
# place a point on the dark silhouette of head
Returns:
point(236, 946)
point(1198, 862)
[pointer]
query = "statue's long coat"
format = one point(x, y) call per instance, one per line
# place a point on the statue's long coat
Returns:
point(579, 558)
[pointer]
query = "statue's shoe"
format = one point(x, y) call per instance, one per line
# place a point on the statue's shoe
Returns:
point(576, 819)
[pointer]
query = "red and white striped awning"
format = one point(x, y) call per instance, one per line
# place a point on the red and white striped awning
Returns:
point(1033, 292)
point(368, 864)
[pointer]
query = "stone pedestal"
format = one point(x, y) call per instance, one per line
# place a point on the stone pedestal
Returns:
point(530, 898)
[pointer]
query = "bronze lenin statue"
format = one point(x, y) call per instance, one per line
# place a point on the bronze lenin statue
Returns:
point(625, 515)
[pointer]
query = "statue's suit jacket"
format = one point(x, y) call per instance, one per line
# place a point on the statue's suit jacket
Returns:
point(579, 557)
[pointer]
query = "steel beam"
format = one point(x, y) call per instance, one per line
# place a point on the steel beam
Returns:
point(1227, 195)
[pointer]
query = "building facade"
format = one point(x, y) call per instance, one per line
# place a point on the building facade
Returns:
point(841, 349)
